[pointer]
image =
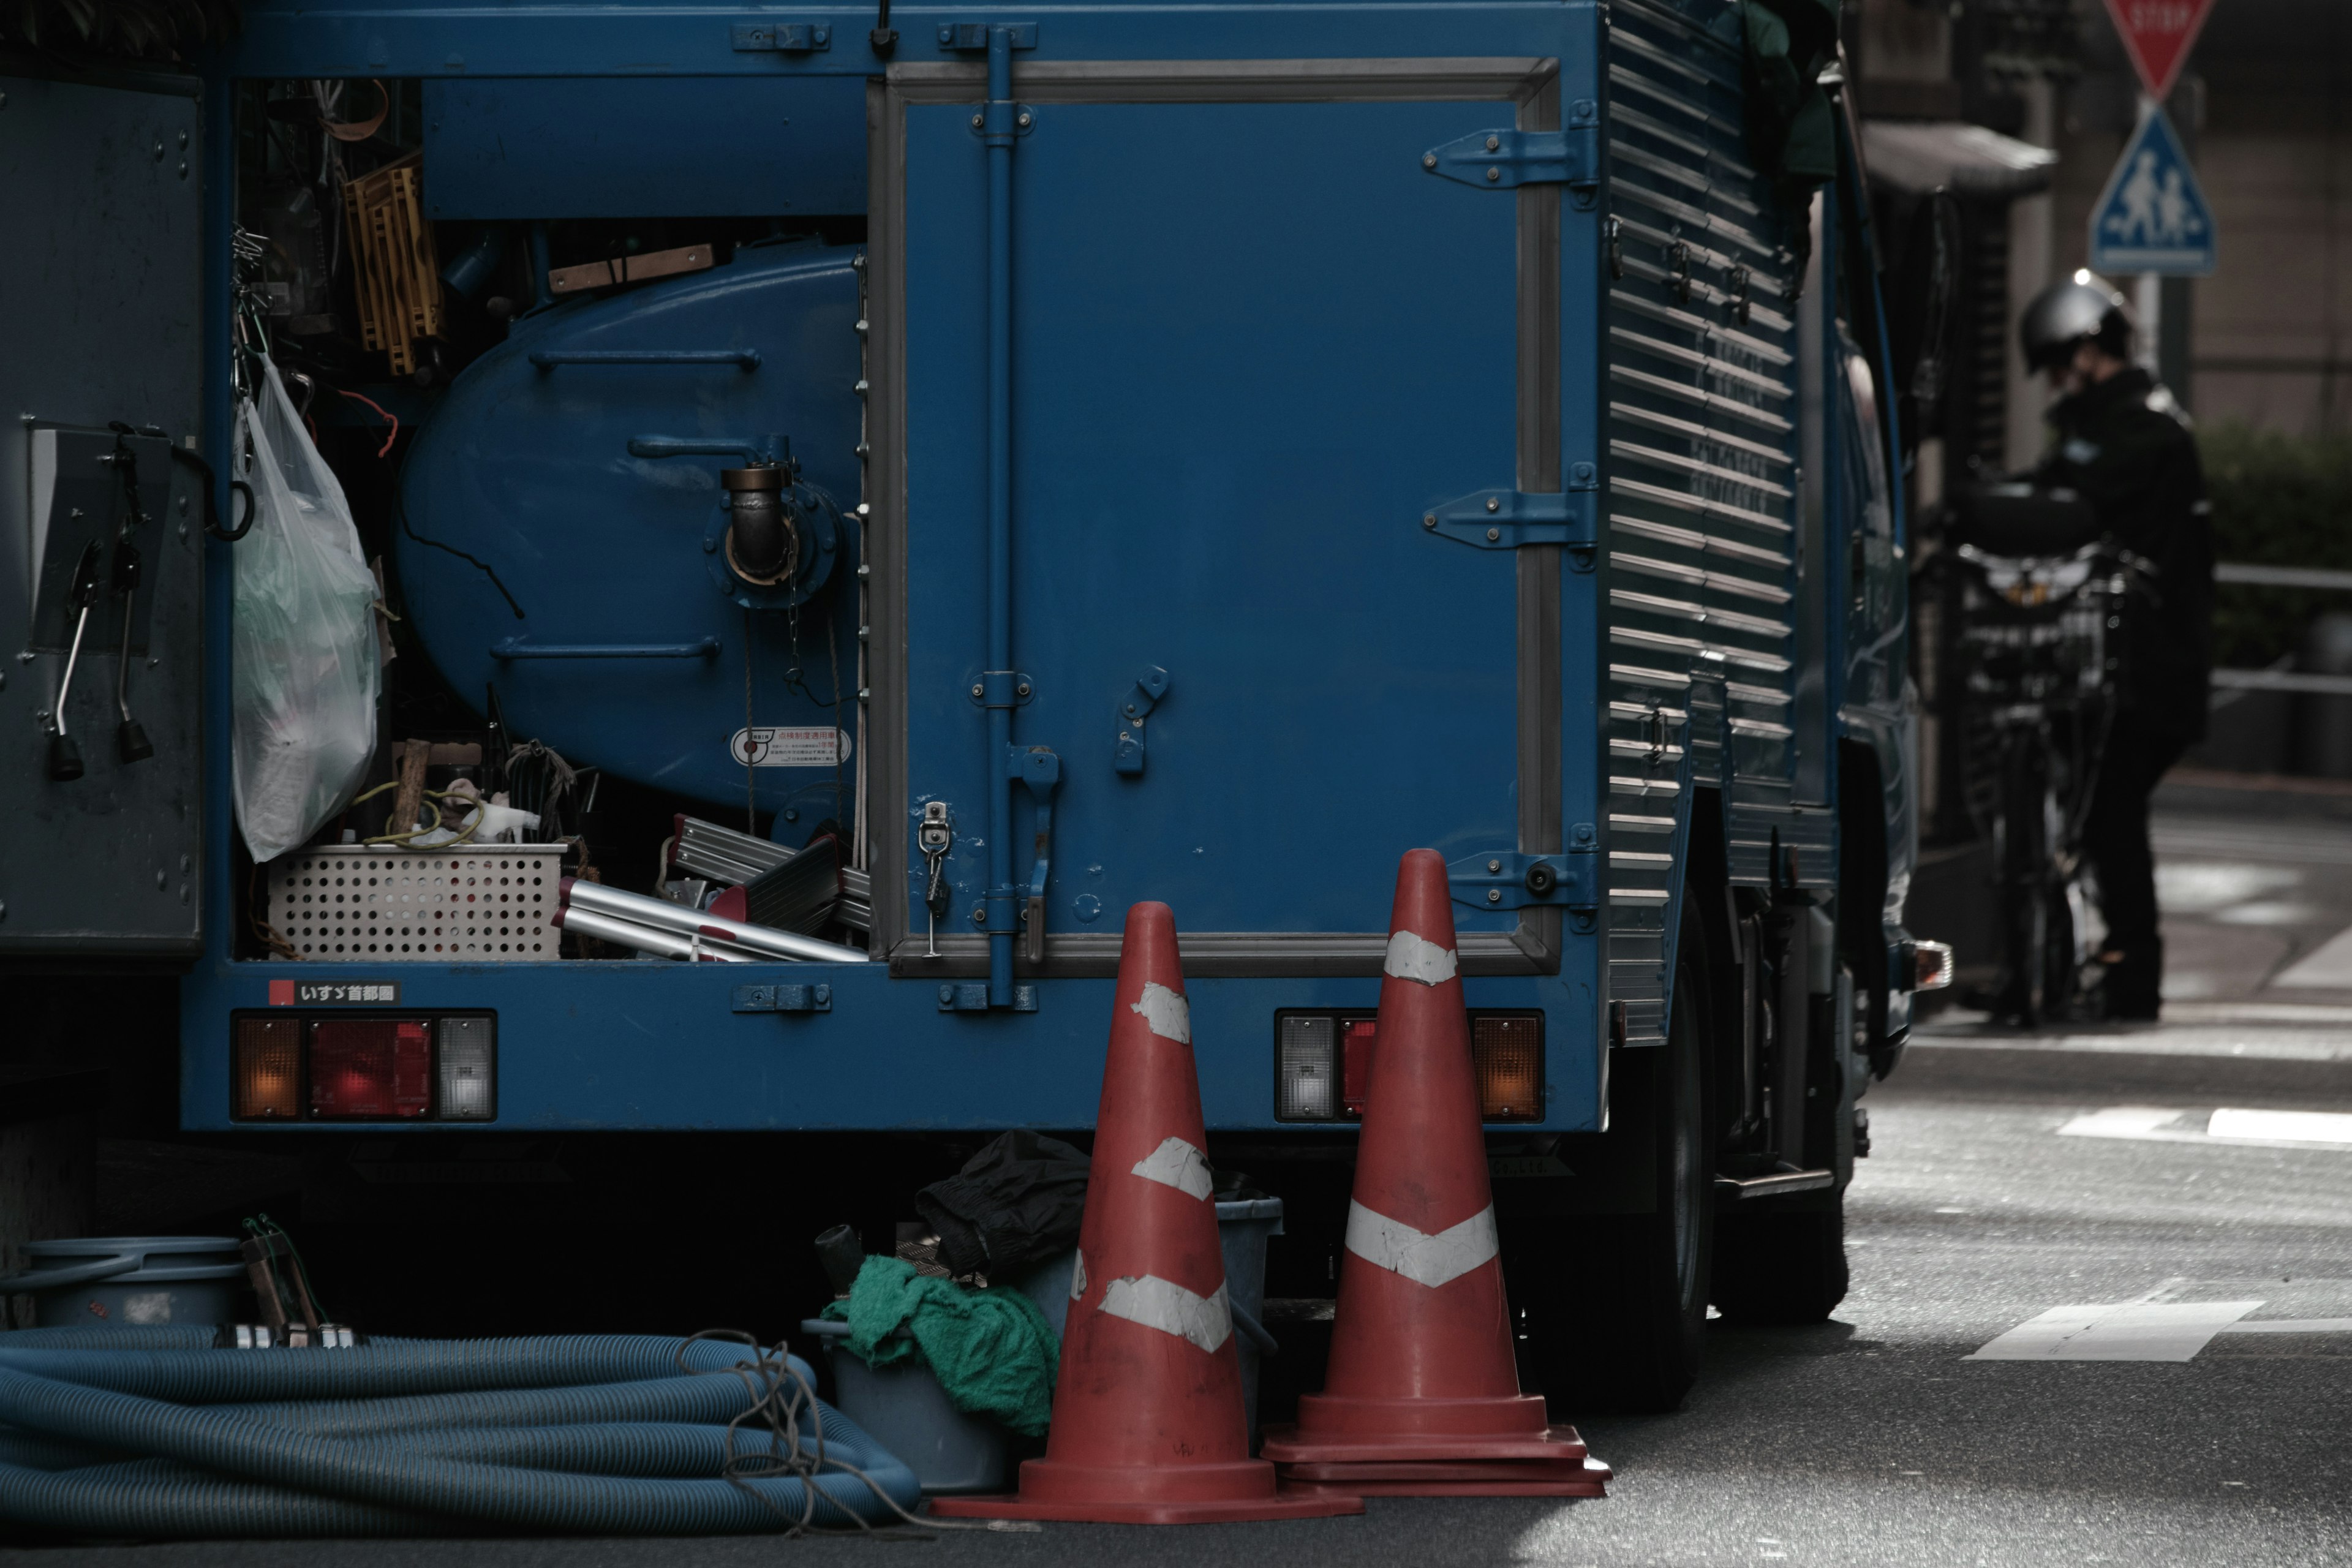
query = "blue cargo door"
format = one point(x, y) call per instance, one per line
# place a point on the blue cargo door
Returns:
point(1255, 342)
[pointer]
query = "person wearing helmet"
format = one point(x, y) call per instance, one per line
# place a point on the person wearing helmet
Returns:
point(2123, 444)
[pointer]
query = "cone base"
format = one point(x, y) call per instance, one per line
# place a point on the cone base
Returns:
point(1289, 1446)
point(1330, 1418)
point(1504, 1486)
point(1579, 1470)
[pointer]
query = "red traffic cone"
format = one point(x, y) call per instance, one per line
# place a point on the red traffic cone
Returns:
point(1422, 1392)
point(1148, 1423)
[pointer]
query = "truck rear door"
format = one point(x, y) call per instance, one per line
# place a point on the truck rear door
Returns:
point(1270, 366)
point(102, 548)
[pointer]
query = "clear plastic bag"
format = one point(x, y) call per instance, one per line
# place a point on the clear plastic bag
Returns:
point(304, 670)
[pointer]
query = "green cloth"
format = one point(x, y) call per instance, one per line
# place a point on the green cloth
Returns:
point(991, 1349)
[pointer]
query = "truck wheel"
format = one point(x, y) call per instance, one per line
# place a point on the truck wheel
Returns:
point(1618, 1313)
point(1780, 1267)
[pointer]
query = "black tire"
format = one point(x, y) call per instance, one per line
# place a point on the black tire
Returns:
point(1780, 1267)
point(1619, 1322)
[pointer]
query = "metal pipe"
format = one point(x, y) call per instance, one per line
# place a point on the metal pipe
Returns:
point(645, 938)
point(997, 127)
point(663, 915)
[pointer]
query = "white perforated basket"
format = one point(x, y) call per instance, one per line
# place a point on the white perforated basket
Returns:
point(491, 904)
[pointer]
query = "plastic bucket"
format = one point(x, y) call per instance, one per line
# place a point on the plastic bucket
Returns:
point(1242, 1228)
point(906, 1410)
point(131, 1282)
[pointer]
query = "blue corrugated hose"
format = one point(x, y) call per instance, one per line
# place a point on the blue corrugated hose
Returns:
point(152, 1432)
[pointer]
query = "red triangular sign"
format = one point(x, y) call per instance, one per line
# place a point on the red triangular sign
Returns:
point(2157, 35)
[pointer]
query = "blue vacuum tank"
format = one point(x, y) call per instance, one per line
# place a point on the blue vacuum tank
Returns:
point(664, 479)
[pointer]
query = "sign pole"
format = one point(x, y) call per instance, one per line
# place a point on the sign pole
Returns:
point(2147, 304)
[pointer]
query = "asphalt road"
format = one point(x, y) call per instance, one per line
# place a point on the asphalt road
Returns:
point(2012, 1176)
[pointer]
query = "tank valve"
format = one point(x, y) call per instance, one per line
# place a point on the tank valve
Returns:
point(762, 544)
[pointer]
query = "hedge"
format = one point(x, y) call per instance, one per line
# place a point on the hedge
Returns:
point(2278, 501)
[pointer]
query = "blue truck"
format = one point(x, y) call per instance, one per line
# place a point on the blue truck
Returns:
point(1023, 462)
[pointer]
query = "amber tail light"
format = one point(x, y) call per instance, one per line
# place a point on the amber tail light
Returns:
point(267, 1070)
point(1506, 1049)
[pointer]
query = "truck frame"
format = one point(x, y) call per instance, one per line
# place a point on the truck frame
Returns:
point(1260, 440)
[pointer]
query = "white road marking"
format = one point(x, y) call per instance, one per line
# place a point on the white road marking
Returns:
point(2291, 1326)
point(2272, 912)
point(2185, 887)
point(1176, 1164)
point(2295, 1126)
point(2244, 1034)
point(2136, 1331)
point(1166, 1012)
point(1424, 1258)
point(2327, 967)
point(1410, 957)
point(2240, 1128)
point(2257, 1013)
point(1163, 1304)
point(2130, 1122)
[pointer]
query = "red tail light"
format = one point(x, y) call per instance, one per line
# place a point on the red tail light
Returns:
point(376, 1069)
point(1357, 1036)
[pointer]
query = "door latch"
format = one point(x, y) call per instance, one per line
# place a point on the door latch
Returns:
point(934, 838)
point(1040, 769)
point(1149, 688)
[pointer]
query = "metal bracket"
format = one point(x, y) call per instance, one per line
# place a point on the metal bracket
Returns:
point(779, 37)
point(971, 997)
point(1001, 120)
point(1002, 688)
point(1512, 519)
point(1507, 880)
point(1503, 159)
point(783, 999)
point(1149, 688)
point(975, 35)
point(1584, 851)
point(1040, 769)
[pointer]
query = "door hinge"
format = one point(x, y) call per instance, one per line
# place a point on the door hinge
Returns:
point(973, 36)
point(1507, 880)
point(1503, 159)
point(783, 999)
point(780, 37)
point(1512, 519)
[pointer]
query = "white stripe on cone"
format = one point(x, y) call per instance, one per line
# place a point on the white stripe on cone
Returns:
point(1165, 1012)
point(1176, 1164)
point(1426, 1259)
point(1078, 1276)
point(1163, 1304)
point(1410, 957)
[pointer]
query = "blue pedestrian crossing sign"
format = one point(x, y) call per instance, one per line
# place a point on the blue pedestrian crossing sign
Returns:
point(2152, 218)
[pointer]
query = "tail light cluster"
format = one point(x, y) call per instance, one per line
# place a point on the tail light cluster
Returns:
point(1323, 1065)
point(290, 1068)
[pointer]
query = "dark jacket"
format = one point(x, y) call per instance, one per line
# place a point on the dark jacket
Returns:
point(2125, 446)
